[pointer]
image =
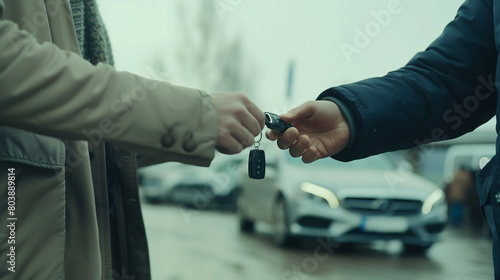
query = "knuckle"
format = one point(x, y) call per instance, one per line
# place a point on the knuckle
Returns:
point(303, 141)
point(240, 111)
point(224, 134)
point(288, 137)
point(243, 97)
point(234, 126)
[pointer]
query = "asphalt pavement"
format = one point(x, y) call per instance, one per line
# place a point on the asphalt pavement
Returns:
point(188, 244)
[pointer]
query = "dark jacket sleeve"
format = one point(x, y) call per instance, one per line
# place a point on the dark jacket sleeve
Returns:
point(442, 93)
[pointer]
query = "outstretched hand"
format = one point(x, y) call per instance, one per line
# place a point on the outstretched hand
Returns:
point(319, 130)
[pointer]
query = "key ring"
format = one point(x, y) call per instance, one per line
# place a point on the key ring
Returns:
point(256, 144)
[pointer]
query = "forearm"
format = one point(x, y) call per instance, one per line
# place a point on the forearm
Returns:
point(57, 93)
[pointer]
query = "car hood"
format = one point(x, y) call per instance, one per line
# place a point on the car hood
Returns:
point(361, 182)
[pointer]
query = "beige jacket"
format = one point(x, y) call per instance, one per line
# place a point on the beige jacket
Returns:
point(48, 89)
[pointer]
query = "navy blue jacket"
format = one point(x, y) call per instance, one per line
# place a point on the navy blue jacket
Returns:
point(420, 102)
point(442, 93)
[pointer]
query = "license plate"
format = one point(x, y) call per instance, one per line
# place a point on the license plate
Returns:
point(384, 224)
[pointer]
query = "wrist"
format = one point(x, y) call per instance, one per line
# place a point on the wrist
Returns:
point(348, 118)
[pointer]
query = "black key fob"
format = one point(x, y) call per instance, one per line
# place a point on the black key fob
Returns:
point(257, 164)
point(274, 122)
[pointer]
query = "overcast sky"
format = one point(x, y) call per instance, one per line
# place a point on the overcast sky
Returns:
point(312, 33)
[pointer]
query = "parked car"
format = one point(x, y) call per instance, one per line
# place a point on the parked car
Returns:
point(357, 202)
point(193, 186)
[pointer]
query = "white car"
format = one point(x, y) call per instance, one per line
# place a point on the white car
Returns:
point(357, 202)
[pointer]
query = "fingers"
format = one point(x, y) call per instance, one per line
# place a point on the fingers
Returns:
point(230, 146)
point(250, 123)
point(302, 143)
point(299, 146)
point(251, 116)
point(239, 120)
point(258, 115)
point(242, 135)
point(272, 135)
point(288, 138)
point(319, 131)
point(234, 140)
point(303, 111)
point(311, 154)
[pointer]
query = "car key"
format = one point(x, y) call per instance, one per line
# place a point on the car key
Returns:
point(257, 162)
point(275, 123)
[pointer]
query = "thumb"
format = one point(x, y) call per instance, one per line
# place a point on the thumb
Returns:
point(303, 111)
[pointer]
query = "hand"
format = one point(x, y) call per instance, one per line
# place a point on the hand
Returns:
point(239, 120)
point(319, 130)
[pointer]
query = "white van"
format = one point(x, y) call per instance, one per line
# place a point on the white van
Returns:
point(471, 156)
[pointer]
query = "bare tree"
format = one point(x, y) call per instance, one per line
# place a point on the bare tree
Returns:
point(205, 58)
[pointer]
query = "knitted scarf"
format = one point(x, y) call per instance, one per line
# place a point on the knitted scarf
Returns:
point(90, 32)
point(95, 47)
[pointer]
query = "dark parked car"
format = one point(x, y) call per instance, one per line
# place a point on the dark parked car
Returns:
point(193, 186)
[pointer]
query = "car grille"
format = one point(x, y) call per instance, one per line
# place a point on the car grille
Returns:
point(382, 206)
point(314, 222)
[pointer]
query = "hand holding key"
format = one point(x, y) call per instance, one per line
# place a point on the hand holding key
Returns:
point(239, 120)
point(257, 158)
point(319, 130)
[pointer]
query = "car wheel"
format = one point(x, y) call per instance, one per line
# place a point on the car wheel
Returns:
point(416, 249)
point(282, 235)
point(232, 200)
point(246, 225)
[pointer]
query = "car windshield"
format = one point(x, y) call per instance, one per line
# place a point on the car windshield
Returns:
point(378, 162)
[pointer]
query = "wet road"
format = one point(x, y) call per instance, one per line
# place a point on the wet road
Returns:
point(191, 244)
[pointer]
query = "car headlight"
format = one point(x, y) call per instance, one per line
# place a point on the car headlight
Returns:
point(324, 193)
point(435, 197)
